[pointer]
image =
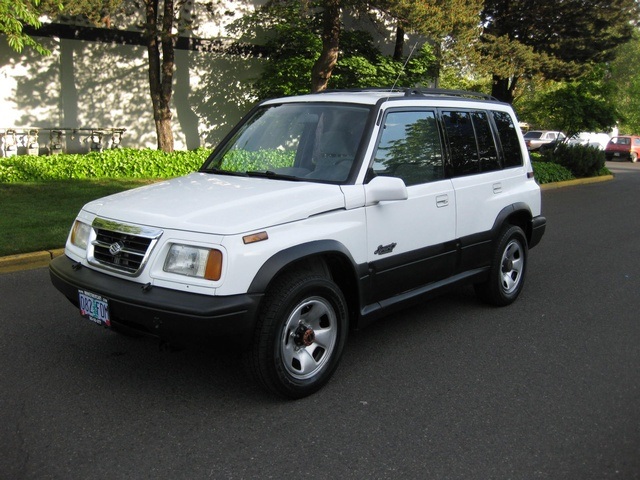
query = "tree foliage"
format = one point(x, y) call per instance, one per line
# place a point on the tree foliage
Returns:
point(558, 39)
point(451, 25)
point(582, 105)
point(625, 74)
point(296, 44)
point(96, 11)
point(14, 15)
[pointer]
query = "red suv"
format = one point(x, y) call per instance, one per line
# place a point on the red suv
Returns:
point(626, 147)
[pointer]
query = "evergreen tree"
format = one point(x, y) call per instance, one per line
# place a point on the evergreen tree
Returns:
point(557, 38)
point(625, 74)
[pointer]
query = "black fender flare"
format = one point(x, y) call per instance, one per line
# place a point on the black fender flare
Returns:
point(508, 211)
point(280, 260)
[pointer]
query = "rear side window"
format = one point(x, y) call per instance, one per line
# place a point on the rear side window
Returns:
point(486, 144)
point(409, 148)
point(471, 142)
point(508, 139)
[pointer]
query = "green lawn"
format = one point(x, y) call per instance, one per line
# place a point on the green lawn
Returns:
point(38, 216)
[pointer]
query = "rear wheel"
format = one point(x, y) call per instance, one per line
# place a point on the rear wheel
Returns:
point(300, 334)
point(508, 267)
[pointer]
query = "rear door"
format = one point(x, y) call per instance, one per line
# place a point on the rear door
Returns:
point(483, 186)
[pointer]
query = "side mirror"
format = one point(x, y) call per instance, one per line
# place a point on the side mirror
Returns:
point(384, 189)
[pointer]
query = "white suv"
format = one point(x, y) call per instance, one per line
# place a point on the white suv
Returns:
point(316, 214)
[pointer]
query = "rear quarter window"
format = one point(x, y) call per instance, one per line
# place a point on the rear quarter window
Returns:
point(471, 142)
point(509, 139)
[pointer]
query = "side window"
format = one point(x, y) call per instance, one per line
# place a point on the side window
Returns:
point(409, 148)
point(486, 144)
point(636, 141)
point(508, 139)
point(462, 142)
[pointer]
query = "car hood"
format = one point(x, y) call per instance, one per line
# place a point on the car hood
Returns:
point(219, 204)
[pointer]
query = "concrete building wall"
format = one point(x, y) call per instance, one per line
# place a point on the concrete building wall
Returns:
point(94, 85)
point(102, 84)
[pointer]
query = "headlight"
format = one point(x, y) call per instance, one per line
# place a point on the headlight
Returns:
point(80, 234)
point(194, 262)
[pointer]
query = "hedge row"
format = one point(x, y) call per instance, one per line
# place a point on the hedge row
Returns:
point(581, 161)
point(565, 164)
point(117, 163)
point(545, 172)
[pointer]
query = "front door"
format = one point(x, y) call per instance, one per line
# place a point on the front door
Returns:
point(411, 243)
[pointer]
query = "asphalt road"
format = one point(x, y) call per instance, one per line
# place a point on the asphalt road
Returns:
point(548, 388)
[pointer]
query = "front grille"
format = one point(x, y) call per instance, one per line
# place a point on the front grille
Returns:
point(120, 247)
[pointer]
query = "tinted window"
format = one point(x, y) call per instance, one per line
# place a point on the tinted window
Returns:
point(486, 144)
point(473, 148)
point(462, 142)
point(509, 139)
point(409, 148)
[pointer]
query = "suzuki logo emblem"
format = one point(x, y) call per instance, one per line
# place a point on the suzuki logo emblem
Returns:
point(116, 248)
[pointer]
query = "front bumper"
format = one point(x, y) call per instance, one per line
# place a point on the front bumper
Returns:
point(161, 312)
point(538, 227)
point(611, 156)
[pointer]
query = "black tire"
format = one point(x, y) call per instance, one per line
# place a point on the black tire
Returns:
point(508, 268)
point(300, 335)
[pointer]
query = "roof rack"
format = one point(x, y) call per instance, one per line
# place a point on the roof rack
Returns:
point(418, 91)
point(450, 93)
point(367, 89)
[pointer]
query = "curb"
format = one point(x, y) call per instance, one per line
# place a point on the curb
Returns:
point(577, 181)
point(29, 261)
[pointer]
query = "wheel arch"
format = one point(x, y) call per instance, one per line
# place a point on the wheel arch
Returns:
point(515, 214)
point(329, 256)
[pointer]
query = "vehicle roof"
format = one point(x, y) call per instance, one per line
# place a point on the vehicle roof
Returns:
point(373, 96)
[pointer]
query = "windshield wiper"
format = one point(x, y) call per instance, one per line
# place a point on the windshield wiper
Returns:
point(272, 175)
point(217, 171)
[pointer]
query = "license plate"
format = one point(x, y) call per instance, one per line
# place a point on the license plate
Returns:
point(94, 307)
point(616, 154)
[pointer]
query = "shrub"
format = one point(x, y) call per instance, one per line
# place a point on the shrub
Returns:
point(117, 163)
point(244, 160)
point(581, 160)
point(546, 172)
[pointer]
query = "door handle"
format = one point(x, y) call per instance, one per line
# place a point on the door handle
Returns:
point(442, 201)
point(497, 188)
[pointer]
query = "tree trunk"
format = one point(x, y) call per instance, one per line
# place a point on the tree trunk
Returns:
point(323, 68)
point(502, 88)
point(161, 69)
point(398, 50)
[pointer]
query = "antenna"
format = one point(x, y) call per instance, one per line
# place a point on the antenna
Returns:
point(403, 66)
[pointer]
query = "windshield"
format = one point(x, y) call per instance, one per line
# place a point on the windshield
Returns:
point(533, 135)
point(621, 141)
point(295, 141)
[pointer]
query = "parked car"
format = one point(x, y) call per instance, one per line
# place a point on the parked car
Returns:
point(316, 214)
point(591, 139)
point(534, 139)
point(623, 147)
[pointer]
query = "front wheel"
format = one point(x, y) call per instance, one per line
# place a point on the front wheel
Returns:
point(300, 334)
point(508, 267)
point(634, 157)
